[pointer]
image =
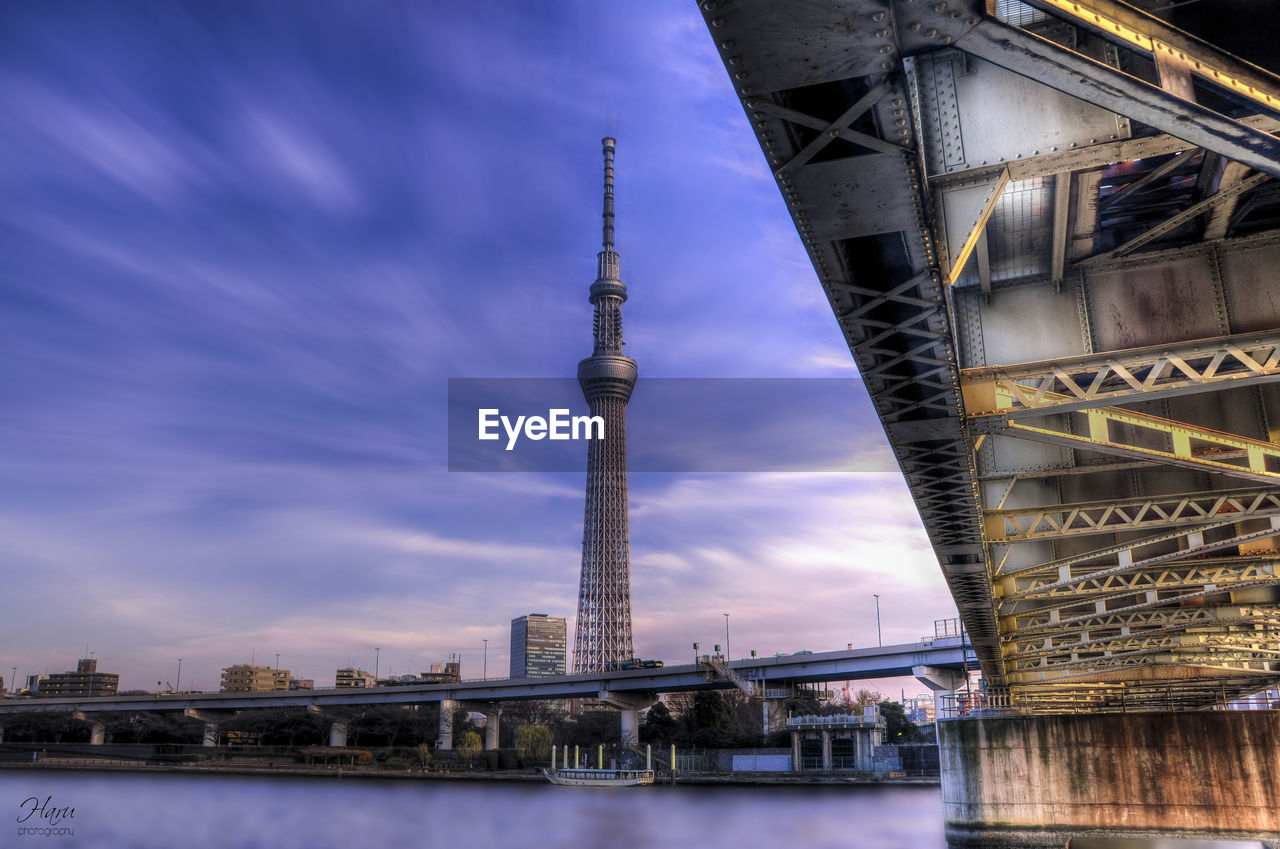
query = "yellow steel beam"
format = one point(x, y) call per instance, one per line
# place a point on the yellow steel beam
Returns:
point(1117, 377)
point(1169, 47)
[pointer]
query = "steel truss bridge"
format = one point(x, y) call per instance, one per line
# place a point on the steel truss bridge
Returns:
point(1050, 233)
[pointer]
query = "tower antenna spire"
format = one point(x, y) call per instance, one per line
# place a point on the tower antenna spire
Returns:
point(608, 143)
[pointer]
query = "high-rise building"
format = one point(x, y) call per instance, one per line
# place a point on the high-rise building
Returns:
point(537, 646)
point(85, 681)
point(246, 678)
point(603, 632)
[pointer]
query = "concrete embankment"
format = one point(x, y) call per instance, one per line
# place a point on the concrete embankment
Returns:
point(1024, 781)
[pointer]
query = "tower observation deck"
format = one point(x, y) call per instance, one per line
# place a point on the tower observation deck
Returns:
point(603, 632)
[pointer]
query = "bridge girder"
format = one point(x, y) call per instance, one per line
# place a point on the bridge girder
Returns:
point(1049, 233)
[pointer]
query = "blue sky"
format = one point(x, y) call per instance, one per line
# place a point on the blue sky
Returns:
point(243, 248)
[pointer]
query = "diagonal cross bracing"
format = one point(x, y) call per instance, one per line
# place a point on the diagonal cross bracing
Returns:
point(1127, 514)
point(1143, 374)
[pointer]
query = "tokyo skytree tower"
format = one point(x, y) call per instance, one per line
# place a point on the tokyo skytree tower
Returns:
point(604, 591)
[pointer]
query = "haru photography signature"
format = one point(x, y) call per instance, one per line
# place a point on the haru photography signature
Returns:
point(45, 818)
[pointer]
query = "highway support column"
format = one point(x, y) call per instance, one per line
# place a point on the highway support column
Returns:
point(630, 704)
point(1019, 781)
point(444, 740)
point(210, 720)
point(491, 713)
point(96, 729)
point(337, 726)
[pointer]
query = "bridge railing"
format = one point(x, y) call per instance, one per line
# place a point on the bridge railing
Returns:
point(979, 704)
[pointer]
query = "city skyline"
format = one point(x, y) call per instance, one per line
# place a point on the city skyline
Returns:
point(228, 329)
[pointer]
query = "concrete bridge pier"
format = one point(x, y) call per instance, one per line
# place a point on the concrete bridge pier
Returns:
point(211, 719)
point(444, 740)
point(337, 725)
point(630, 705)
point(774, 715)
point(1023, 781)
point(97, 730)
point(491, 728)
point(491, 713)
point(939, 679)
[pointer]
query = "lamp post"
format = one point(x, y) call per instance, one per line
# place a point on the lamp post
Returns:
point(484, 675)
point(13, 686)
point(177, 687)
point(377, 659)
point(879, 640)
point(696, 646)
point(277, 661)
point(726, 637)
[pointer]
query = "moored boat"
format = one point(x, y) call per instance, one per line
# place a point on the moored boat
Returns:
point(599, 777)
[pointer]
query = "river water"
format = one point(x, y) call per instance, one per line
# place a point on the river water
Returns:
point(167, 811)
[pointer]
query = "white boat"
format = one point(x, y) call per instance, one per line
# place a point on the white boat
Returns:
point(599, 777)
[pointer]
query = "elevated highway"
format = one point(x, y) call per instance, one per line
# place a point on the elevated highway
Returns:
point(1050, 234)
point(856, 664)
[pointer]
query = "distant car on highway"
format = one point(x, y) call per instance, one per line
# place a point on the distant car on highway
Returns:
point(631, 663)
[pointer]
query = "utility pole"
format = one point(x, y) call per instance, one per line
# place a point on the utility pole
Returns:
point(879, 640)
point(484, 675)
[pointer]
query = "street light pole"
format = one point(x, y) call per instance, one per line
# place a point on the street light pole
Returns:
point(277, 661)
point(13, 687)
point(377, 659)
point(726, 637)
point(177, 687)
point(485, 674)
point(879, 640)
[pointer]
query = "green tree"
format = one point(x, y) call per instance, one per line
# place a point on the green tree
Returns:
point(660, 727)
point(424, 755)
point(593, 728)
point(898, 729)
point(550, 714)
point(533, 743)
point(710, 723)
point(469, 747)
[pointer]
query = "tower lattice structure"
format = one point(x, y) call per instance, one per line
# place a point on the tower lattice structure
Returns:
point(603, 633)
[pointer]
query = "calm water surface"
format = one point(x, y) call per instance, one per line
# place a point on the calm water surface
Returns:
point(125, 811)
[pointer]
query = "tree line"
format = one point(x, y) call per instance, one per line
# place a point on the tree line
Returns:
point(713, 719)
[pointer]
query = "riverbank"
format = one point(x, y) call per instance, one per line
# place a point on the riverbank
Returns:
point(527, 776)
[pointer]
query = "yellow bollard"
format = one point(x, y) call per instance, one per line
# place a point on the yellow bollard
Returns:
point(600, 757)
point(575, 757)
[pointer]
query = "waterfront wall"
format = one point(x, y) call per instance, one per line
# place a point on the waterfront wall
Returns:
point(1194, 772)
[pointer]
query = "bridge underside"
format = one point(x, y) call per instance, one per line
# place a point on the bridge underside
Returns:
point(1050, 232)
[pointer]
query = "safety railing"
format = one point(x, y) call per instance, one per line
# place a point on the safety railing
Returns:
point(1099, 699)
